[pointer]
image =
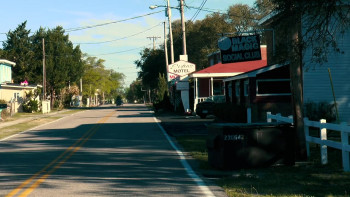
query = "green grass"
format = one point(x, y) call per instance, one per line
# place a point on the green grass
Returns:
point(311, 179)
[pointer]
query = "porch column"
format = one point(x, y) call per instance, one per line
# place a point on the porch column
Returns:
point(211, 87)
point(195, 94)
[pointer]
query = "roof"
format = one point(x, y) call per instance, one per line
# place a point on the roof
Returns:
point(267, 18)
point(17, 86)
point(231, 69)
point(255, 72)
point(7, 62)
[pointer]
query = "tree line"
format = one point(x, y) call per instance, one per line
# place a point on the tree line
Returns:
point(65, 63)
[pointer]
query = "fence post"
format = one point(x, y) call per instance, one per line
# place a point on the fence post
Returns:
point(249, 115)
point(323, 136)
point(306, 131)
point(268, 116)
point(345, 142)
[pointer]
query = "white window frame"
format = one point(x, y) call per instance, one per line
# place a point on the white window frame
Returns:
point(273, 94)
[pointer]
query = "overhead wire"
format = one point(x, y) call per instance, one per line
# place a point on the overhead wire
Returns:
point(125, 37)
point(198, 10)
point(113, 22)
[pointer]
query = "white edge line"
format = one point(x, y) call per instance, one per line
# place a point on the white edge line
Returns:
point(185, 164)
point(32, 129)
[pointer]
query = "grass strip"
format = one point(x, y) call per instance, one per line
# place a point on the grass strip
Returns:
point(14, 129)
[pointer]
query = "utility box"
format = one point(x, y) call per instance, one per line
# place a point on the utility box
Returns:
point(242, 145)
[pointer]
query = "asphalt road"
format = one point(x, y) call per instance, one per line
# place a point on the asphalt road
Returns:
point(102, 152)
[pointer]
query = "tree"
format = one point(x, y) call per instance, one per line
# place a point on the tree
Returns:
point(63, 61)
point(96, 76)
point(202, 35)
point(242, 17)
point(17, 48)
point(162, 87)
point(151, 64)
point(317, 24)
point(134, 92)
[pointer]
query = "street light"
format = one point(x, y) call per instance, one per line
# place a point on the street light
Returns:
point(168, 12)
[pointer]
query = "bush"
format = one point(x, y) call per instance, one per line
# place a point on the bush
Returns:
point(164, 104)
point(229, 112)
point(322, 110)
point(31, 106)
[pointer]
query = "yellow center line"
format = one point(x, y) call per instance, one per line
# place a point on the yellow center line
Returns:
point(72, 149)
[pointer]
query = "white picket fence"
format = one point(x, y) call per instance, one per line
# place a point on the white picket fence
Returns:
point(343, 128)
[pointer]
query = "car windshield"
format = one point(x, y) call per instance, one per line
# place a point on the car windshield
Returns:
point(216, 99)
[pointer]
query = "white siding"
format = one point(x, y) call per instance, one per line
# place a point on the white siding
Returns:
point(317, 86)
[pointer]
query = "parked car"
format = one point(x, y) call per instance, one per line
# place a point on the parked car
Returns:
point(119, 102)
point(207, 106)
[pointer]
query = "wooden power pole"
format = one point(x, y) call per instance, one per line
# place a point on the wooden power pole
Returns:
point(154, 38)
point(44, 72)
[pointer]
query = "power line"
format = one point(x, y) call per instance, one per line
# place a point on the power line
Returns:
point(113, 22)
point(122, 51)
point(198, 11)
point(103, 24)
point(102, 42)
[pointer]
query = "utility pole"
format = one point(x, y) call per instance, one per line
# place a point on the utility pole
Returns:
point(170, 33)
point(154, 38)
point(44, 72)
point(166, 50)
point(184, 50)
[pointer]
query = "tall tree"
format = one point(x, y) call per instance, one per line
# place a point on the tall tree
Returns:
point(96, 76)
point(151, 64)
point(63, 61)
point(17, 48)
point(134, 92)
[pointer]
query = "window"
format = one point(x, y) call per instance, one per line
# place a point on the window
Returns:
point(230, 90)
point(237, 88)
point(273, 87)
point(246, 88)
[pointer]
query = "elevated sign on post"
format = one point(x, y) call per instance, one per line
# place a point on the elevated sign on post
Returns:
point(179, 69)
point(240, 48)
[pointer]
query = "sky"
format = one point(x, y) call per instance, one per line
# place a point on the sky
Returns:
point(126, 36)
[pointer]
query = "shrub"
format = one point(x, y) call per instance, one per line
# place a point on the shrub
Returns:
point(229, 112)
point(164, 104)
point(31, 106)
point(322, 110)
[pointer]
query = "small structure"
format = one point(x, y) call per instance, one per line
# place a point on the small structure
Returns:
point(209, 81)
point(321, 83)
point(261, 90)
point(12, 93)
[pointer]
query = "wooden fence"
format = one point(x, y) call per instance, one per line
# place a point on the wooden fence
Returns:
point(343, 128)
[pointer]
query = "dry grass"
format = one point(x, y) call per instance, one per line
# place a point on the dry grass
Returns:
point(11, 130)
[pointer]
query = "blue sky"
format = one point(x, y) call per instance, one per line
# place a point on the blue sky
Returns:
point(77, 13)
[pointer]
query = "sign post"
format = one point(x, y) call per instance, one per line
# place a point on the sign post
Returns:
point(179, 71)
